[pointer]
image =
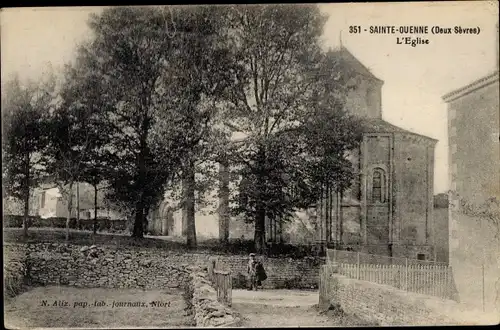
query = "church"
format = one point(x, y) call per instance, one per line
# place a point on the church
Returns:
point(387, 210)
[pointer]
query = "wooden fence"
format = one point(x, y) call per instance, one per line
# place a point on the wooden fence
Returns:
point(221, 281)
point(223, 286)
point(420, 276)
point(431, 280)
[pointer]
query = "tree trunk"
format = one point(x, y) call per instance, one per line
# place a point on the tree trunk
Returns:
point(259, 236)
point(26, 213)
point(70, 206)
point(26, 197)
point(146, 220)
point(189, 204)
point(224, 203)
point(260, 221)
point(184, 220)
point(94, 229)
point(138, 231)
point(78, 205)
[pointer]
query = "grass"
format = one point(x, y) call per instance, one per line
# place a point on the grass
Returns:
point(81, 237)
point(26, 310)
point(205, 245)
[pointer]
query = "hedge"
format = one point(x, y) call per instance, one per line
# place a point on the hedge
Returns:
point(103, 224)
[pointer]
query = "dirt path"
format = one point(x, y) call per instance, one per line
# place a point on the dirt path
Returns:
point(68, 307)
point(281, 308)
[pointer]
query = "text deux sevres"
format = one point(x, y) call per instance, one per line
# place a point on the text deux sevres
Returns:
point(414, 35)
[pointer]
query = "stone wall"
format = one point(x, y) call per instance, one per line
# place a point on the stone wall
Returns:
point(281, 273)
point(413, 176)
point(59, 264)
point(102, 267)
point(385, 305)
point(208, 312)
point(14, 270)
point(51, 263)
point(441, 234)
point(474, 152)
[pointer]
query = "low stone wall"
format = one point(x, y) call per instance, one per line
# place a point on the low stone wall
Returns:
point(14, 270)
point(281, 273)
point(60, 264)
point(102, 267)
point(208, 312)
point(385, 305)
point(67, 264)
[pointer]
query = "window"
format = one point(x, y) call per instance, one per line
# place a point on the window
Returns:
point(378, 186)
point(42, 200)
point(421, 256)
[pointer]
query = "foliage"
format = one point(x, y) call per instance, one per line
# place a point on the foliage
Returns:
point(15, 206)
point(273, 48)
point(23, 126)
point(328, 131)
point(153, 86)
point(286, 102)
point(488, 211)
point(23, 109)
point(73, 130)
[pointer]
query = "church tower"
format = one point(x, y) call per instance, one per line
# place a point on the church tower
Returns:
point(365, 100)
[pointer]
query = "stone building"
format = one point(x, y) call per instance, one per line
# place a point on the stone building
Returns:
point(441, 228)
point(388, 209)
point(474, 175)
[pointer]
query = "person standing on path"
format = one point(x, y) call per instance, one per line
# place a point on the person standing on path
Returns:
point(252, 272)
point(260, 273)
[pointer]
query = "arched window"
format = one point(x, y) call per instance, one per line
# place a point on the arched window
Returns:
point(378, 186)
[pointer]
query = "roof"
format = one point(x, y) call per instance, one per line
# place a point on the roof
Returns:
point(377, 125)
point(473, 86)
point(351, 61)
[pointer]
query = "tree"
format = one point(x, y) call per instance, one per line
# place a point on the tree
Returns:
point(74, 129)
point(152, 83)
point(329, 133)
point(86, 90)
point(278, 71)
point(193, 193)
point(23, 110)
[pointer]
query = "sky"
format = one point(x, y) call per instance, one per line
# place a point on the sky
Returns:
point(415, 78)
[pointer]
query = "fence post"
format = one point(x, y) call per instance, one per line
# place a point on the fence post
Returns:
point(482, 268)
point(406, 274)
point(357, 266)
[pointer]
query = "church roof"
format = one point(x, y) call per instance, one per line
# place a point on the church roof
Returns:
point(377, 125)
point(351, 61)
